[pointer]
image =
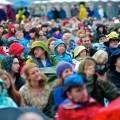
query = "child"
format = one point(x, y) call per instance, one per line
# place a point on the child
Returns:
point(78, 106)
point(60, 53)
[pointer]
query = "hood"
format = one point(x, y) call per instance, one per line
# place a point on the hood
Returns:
point(40, 44)
point(56, 44)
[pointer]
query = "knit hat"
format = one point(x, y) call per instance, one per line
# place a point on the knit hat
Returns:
point(57, 43)
point(6, 63)
point(15, 49)
point(78, 50)
point(73, 80)
point(61, 67)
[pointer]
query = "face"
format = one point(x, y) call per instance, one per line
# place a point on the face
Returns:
point(102, 39)
point(66, 73)
point(34, 75)
point(51, 46)
point(67, 36)
point(1, 31)
point(38, 52)
point(78, 94)
point(15, 65)
point(117, 64)
point(83, 54)
point(113, 44)
point(32, 35)
point(86, 42)
point(101, 29)
point(7, 81)
point(89, 68)
point(19, 35)
point(61, 49)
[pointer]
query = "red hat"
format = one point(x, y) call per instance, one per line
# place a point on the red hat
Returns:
point(15, 49)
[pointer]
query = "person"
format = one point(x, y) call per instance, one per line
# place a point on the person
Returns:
point(17, 50)
point(12, 66)
point(63, 69)
point(113, 72)
point(69, 43)
point(50, 44)
point(12, 92)
point(112, 43)
point(30, 116)
point(78, 105)
point(98, 87)
point(35, 92)
point(62, 14)
point(5, 101)
point(79, 53)
point(40, 55)
point(60, 53)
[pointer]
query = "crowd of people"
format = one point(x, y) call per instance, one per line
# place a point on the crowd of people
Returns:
point(68, 69)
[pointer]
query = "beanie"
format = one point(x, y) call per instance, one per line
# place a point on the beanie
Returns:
point(15, 49)
point(6, 63)
point(61, 67)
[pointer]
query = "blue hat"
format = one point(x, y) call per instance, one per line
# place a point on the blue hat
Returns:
point(61, 67)
point(73, 80)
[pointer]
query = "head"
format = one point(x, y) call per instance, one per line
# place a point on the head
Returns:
point(10, 64)
point(1, 30)
point(86, 41)
point(19, 35)
point(75, 89)
point(87, 67)
point(101, 57)
point(34, 75)
point(16, 50)
point(64, 69)
point(51, 44)
point(117, 64)
point(39, 49)
point(80, 52)
point(5, 76)
point(67, 37)
point(102, 38)
point(113, 43)
point(30, 116)
point(59, 47)
point(32, 33)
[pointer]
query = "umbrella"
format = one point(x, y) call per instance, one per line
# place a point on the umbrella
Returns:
point(112, 112)
point(22, 3)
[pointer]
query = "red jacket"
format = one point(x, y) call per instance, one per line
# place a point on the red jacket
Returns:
point(72, 111)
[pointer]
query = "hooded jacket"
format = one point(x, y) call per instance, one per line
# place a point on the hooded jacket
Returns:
point(5, 101)
point(65, 57)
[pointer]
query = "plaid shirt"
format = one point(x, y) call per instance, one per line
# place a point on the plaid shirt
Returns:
point(71, 46)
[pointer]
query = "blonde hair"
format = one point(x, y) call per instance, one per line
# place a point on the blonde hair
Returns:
point(100, 56)
point(26, 70)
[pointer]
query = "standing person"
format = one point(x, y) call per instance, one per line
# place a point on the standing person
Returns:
point(3, 15)
point(35, 92)
point(62, 13)
point(12, 92)
point(78, 105)
point(12, 66)
point(74, 11)
point(26, 12)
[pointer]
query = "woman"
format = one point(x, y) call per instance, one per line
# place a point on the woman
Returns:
point(12, 66)
point(12, 92)
point(99, 87)
point(35, 92)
